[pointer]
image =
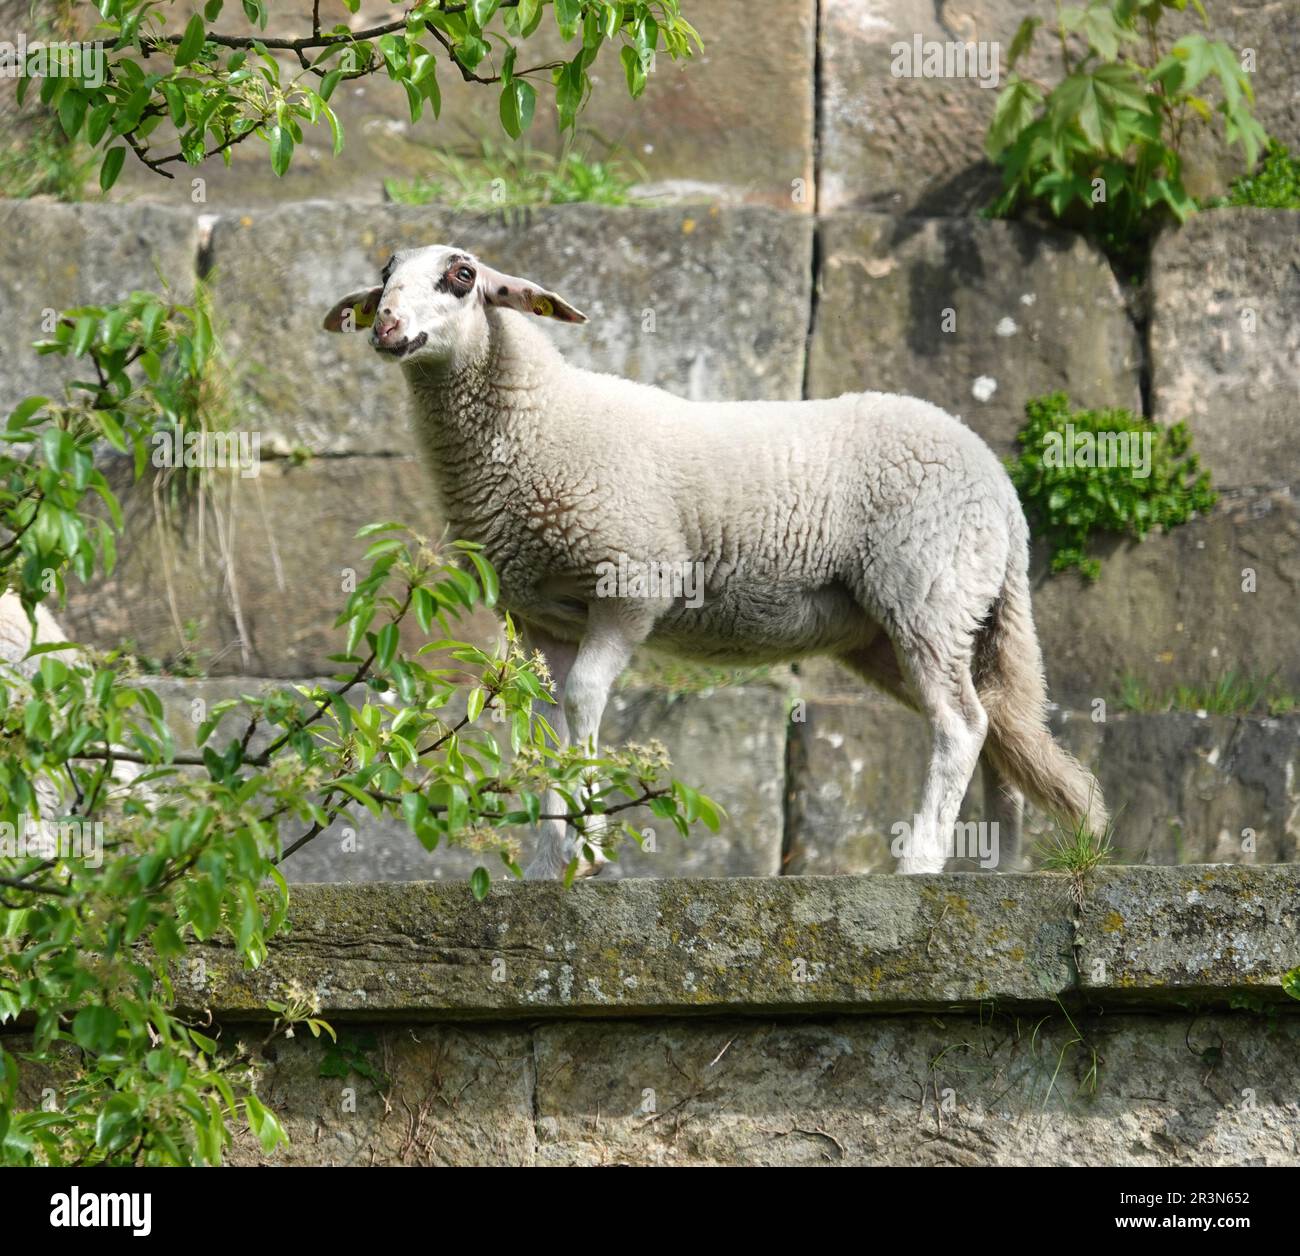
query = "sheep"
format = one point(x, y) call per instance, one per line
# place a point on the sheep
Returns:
point(873, 528)
point(17, 638)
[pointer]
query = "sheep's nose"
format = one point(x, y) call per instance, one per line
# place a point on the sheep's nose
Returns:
point(386, 322)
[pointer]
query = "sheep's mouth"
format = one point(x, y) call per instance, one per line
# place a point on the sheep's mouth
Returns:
point(403, 347)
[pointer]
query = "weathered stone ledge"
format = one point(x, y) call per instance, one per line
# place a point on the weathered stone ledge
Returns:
point(1195, 936)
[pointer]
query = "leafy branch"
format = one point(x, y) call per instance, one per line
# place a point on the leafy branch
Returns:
point(216, 89)
point(1101, 149)
point(110, 874)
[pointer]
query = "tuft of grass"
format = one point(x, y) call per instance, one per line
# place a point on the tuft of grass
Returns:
point(1274, 184)
point(1233, 693)
point(492, 176)
point(1075, 851)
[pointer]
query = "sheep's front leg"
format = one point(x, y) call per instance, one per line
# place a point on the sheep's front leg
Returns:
point(602, 656)
point(551, 860)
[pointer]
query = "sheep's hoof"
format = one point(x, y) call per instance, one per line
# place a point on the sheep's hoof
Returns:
point(919, 867)
point(544, 869)
point(590, 867)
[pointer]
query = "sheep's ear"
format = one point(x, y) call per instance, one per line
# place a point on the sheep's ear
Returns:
point(355, 312)
point(524, 295)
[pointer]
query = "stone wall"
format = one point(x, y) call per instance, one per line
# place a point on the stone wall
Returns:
point(740, 291)
point(956, 1020)
point(806, 84)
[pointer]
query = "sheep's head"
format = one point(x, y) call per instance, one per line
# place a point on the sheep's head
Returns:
point(431, 303)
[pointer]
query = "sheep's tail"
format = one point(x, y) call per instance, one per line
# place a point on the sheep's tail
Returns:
point(1010, 683)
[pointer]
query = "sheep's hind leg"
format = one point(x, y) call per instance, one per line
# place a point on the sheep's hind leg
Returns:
point(1004, 804)
point(946, 694)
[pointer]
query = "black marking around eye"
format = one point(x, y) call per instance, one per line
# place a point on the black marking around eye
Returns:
point(450, 283)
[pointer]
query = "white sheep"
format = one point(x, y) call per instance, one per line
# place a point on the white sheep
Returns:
point(873, 528)
point(17, 638)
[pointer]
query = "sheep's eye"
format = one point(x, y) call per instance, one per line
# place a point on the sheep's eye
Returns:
point(464, 275)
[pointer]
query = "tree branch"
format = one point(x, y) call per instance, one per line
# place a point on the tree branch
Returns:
point(315, 39)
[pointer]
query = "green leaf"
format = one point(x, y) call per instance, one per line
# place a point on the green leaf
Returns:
point(1024, 36)
point(386, 646)
point(281, 149)
point(100, 116)
point(491, 586)
point(480, 883)
point(24, 410)
point(569, 86)
point(474, 706)
point(529, 15)
point(264, 1123)
point(518, 102)
point(1017, 105)
point(116, 1122)
point(83, 333)
point(414, 809)
point(72, 112)
point(191, 42)
point(95, 1028)
point(58, 448)
point(111, 167)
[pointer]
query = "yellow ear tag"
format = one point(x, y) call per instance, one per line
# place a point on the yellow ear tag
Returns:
point(360, 318)
point(543, 307)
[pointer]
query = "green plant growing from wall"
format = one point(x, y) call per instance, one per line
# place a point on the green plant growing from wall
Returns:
point(99, 914)
point(1087, 474)
point(180, 86)
point(43, 162)
point(1101, 148)
point(1232, 693)
point(500, 177)
point(1274, 185)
